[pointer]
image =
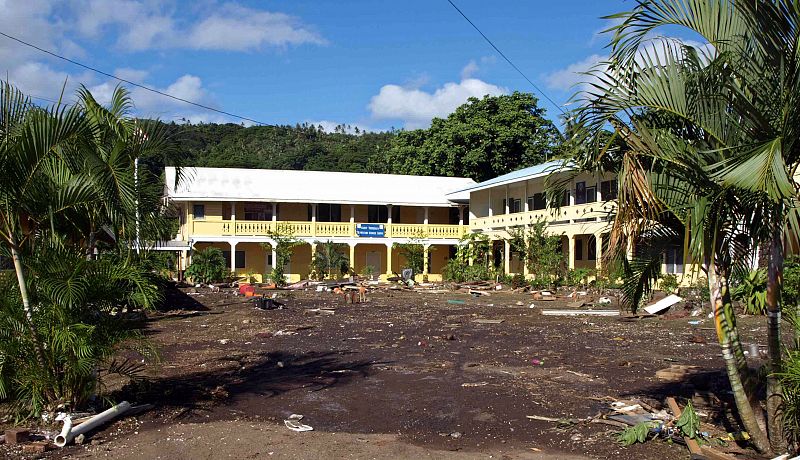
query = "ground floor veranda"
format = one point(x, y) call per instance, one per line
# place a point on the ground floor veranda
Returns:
point(376, 258)
point(583, 247)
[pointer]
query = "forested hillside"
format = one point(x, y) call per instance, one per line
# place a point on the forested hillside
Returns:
point(481, 139)
point(278, 147)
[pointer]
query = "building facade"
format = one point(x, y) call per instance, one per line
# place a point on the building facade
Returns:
point(238, 211)
point(583, 221)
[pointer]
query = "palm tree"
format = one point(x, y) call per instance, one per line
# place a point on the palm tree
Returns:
point(35, 184)
point(330, 259)
point(61, 167)
point(708, 138)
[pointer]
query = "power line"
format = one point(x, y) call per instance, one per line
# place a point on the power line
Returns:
point(147, 88)
point(506, 58)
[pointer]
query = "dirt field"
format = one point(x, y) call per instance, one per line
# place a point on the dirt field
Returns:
point(405, 375)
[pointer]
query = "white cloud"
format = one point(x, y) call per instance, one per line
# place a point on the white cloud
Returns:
point(574, 77)
point(149, 104)
point(416, 107)
point(134, 75)
point(469, 70)
point(40, 81)
point(134, 25)
point(29, 20)
point(235, 27)
point(143, 25)
point(567, 78)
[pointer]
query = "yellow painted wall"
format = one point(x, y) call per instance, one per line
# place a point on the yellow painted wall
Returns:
point(301, 261)
point(361, 257)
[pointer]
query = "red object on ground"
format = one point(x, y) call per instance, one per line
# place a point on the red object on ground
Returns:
point(245, 288)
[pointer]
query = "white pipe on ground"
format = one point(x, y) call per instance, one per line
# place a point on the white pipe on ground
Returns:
point(68, 433)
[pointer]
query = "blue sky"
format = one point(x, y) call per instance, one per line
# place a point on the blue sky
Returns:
point(374, 64)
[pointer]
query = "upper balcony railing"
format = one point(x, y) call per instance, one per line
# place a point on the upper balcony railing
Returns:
point(321, 229)
point(588, 212)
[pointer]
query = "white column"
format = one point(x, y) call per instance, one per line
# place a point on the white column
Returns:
point(598, 238)
point(352, 261)
point(388, 232)
point(525, 198)
point(425, 220)
point(460, 215)
point(425, 253)
point(274, 212)
point(389, 258)
point(353, 221)
point(507, 257)
point(274, 255)
point(313, 224)
point(233, 257)
point(571, 195)
point(599, 192)
point(233, 217)
point(507, 207)
point(572, 241)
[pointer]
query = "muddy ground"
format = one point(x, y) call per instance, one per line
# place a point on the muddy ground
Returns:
point(405, 375)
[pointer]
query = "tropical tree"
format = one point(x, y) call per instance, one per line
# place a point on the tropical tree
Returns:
point(330, 260)
point(284, 242)
point(481, 139)
point(709, 140)
point(55, 175)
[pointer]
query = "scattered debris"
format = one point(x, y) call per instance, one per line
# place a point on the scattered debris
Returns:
point(455, 302)
point(293, 423)
point(487, 321)
point(17, 435)
point(676, 372)
point(662, 304)
point(580, 312)
point(68, 432)
point(603, 301)
point(37, 447)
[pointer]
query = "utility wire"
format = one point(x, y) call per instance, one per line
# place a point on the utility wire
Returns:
point(506, 57)
point(147, 88)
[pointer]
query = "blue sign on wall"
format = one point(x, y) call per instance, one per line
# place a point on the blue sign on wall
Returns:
point(370, 230)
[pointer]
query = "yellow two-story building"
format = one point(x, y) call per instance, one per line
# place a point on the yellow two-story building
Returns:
point(237, 211)
point(517, 200)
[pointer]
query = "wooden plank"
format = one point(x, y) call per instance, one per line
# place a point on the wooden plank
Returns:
point(694, 447)
point(580, 312)
point(716, 455)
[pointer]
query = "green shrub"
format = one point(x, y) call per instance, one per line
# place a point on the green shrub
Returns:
point(751, 290)
point(669, 283)
point(330, 260)
point(790, 290)
point(790, 381)
point(207, 266)
point(518, 281)
point(460, 271)
point(579, 276)
point(80, 322)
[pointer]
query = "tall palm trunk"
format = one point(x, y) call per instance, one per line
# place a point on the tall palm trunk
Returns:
point(26, 302)
point(722, 307)
point(774, 388)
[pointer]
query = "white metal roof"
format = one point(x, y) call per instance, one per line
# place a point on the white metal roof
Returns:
point(532, 172)
point(234, 184)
